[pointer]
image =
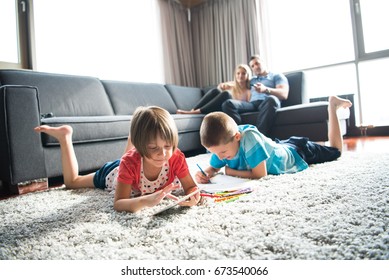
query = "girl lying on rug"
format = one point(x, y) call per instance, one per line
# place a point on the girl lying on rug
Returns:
point(150, 169)
point(245, 152)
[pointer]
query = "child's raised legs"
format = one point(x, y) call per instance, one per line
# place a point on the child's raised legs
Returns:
point(69, 161)
point(334, 133)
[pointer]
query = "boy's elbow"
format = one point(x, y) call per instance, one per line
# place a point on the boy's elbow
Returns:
point(258, 176)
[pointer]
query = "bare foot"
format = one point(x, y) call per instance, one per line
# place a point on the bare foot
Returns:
point(197, 111)
point(60, 133)
point(338, 102)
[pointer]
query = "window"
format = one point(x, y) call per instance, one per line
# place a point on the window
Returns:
point(371, 17)
point(320, 81)
point(112, 39)
point(309, 33)
point(374, 93)
point(333, 80)
point(9, 31)
point(342, 46)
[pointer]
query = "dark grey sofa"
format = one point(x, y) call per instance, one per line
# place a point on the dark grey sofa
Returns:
point(100, 113)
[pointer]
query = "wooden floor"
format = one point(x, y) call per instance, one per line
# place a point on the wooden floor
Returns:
point(366, 143)
point(353, 144)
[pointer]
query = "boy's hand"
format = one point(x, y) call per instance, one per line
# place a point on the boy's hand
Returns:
point(201, 178)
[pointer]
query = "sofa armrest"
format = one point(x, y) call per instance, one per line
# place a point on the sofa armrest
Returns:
point(302, 113)
point(297, 89)
point(22, 156)
point(348, 114)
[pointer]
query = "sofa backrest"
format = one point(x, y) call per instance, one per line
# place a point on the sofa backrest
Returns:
point(297, 91)
point(63, 95)
point(184, 97)
point(127, 96)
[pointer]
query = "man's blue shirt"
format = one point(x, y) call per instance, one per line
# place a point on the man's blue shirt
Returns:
point(270, 80)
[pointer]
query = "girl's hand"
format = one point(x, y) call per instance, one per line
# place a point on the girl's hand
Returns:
point(194, 199)
point(155, 198)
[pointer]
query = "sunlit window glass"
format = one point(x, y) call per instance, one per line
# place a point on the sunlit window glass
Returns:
point(306, 33)
point(112, 39)
point(8, 37)
point(375, 22)
point(332, 80)
point(335, 80)
point(374, 97)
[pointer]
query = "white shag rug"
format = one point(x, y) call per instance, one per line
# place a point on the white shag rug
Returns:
point(337, 210)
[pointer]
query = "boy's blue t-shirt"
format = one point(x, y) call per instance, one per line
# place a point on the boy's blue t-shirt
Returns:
point(255, 148)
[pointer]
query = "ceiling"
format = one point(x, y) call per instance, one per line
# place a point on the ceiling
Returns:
point(191, 3)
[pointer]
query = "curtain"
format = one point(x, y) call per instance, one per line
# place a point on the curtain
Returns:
point(264, 33)
point(177, 44)
point(224, 34)
point(202, 46)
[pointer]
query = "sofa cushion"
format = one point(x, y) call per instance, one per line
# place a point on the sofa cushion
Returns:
point(188, 131)
point(298, 114)
point(188, 123)
point(90, 129)
point(100, 129)
point(127, 96)
point(184, 97)
point(63, 95)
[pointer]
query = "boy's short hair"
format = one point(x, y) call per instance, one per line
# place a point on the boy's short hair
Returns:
point(217, 129)
point(148, 123)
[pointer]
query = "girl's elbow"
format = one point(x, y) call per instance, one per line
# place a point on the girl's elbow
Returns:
point(116, 207)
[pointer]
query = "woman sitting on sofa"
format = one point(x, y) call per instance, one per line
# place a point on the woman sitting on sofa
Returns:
point(238, 89)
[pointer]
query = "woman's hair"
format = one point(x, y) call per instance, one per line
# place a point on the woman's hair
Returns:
point(236, 88)
point(150, 122)
point(217, 129)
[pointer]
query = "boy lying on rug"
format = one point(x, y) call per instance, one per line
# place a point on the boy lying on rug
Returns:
point(150, 169)
point(245, 152)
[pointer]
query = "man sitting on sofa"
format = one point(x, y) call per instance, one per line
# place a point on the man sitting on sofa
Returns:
point(267, 91)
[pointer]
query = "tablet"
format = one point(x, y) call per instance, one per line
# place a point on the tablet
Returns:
point(176, 202)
